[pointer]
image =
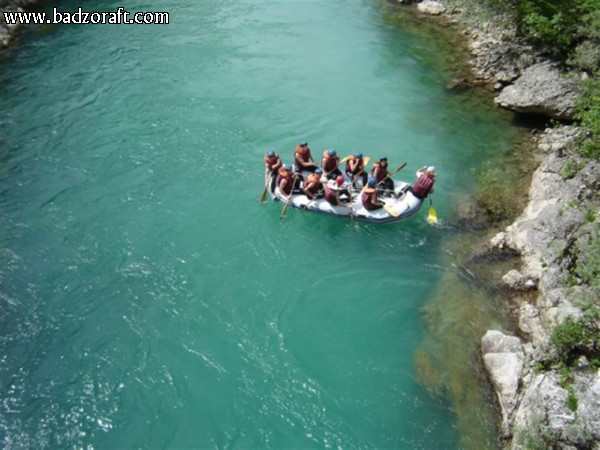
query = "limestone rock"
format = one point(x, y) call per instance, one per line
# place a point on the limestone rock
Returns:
point(545, 416)
point(543, 89)
point(431, 7)
point(503, 359)
point(517, 281)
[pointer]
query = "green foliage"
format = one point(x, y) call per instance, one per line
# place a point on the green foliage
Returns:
point(568, 29)
point(570, 168)
point(495, 193)
point(588, 264)
point(589, 114)
point(571, 399)
point(576, 337)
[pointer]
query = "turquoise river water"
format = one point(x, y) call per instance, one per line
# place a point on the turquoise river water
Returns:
point(147, 300)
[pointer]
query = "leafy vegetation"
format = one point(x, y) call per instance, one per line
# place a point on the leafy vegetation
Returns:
point(569, 32)
point(589, 116)
point(495, 192)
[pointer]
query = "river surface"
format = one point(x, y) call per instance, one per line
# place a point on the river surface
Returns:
point(144, 303)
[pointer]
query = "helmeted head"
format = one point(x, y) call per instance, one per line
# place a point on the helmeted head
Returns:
point(318, 171)
point(384, 159)
point(270, 154)
point(372, 182)
point(339, 180)
point(358, 155)
point(431, 170)
point(303, 144)
point(331, 152)
point(288, 167)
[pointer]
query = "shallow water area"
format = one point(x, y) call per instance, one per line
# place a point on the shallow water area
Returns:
point(147, 303)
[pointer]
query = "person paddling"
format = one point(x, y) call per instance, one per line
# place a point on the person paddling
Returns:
point(355, 168)
point(312, 187)
point(368, 195)
point(286, 180)
point(380, 173)
point(272, 165)
point(424, 184)
point(334, 190)
point(329, 164)
point(303, 159)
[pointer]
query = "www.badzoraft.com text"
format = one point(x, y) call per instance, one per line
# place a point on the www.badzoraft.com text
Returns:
point(85, 17)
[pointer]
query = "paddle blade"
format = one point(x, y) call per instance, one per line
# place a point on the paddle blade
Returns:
point(263, 197)
point(366, 160)
point(432, 216)
point(391, 211)
point(283, 211)
point(345, 158)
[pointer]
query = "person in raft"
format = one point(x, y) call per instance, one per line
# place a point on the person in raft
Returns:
point(312, 187)
point(272, 165)
point(380, 173)
point(335, 189)
point(355, 167)
point(329, 164)
point(424, 184)
point(303, 159)
point(368, 195)
point(287, 180)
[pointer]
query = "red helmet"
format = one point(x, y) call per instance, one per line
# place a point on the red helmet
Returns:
point(339, 180)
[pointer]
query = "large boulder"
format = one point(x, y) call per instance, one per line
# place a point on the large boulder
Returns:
point(546, 418)
point(543, 89)
point(503, 358)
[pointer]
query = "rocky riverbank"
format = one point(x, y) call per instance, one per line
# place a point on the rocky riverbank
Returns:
point(8, 32)
point(544, 402)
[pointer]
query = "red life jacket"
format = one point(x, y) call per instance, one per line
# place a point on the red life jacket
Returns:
point(365, 197)
point(329, 163)
point(423, 186)
point(330, 196)
point(301, 154)
point(310, 179)
point(272, 161)
point(285, 175)
point(382, 173)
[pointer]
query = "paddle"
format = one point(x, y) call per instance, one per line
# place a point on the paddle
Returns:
point(263, 196)
point(351, 212)
point(391, 211)
point(389, 175)
point(432, 214)
point(366, 159)
point(289, 199)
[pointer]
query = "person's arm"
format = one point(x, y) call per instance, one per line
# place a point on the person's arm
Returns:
point(307, 191)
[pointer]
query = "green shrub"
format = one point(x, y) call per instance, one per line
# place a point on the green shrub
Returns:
point(574, 338)
point(588, 265)
point(495, 193)
point(589, 115)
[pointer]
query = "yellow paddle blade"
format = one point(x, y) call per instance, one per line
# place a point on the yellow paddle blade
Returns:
point(366, 160)
point(345, 158)
point(432, 216)
point(391, 211)
point(263, 197)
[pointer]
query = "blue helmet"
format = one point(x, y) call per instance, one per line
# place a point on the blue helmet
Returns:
point(372, 182)
point(288, 167)
point(331, 152)
point(270, 154)
point(383, 159)
point(318, 171)
point(303, 144)
point(358, 155)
